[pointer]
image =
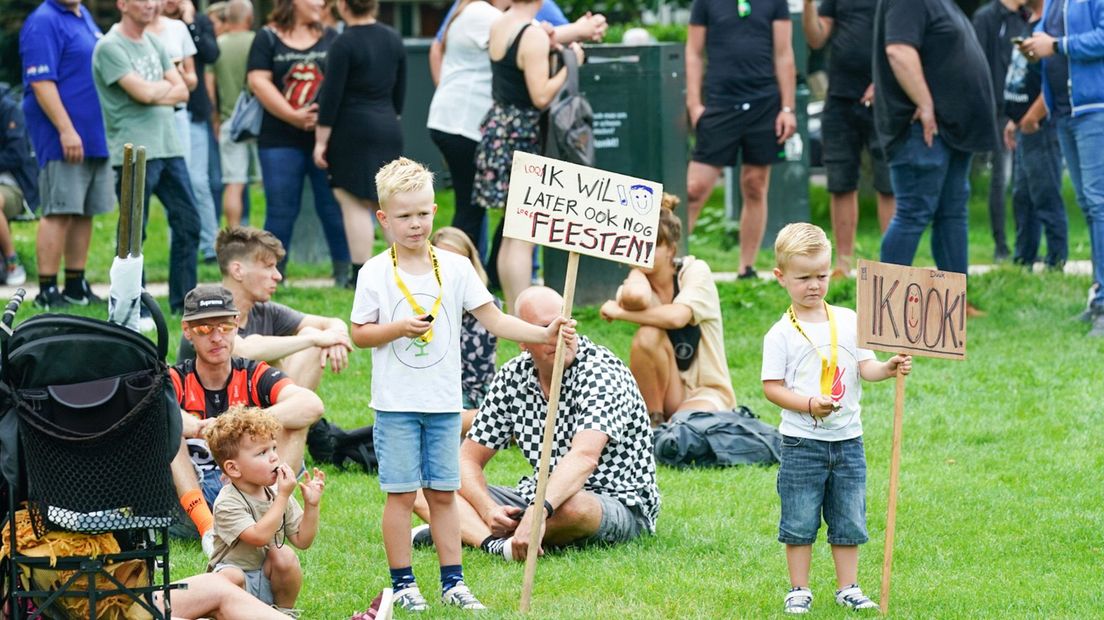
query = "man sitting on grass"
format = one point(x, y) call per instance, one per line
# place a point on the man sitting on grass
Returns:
point(252, 520)
point(214, 381)
point(602, 488)
point(301, 345)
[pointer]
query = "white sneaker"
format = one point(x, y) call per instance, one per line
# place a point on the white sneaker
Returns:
point(208, 543)
point(798, 601)
point(852, 597)
point(460, 596)
point(410, 598)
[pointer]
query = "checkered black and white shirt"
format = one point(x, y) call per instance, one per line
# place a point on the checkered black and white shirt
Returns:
point(598, 393)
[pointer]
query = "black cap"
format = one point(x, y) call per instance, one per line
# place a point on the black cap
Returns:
point(208, 300)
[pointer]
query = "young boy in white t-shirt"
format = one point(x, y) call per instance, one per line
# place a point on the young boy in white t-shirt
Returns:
point(812, 368)
point(408, 306)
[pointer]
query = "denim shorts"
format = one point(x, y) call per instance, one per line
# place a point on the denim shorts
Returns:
point(620, 523)
point(256, 583)
point(822, 478)
point(417, 450)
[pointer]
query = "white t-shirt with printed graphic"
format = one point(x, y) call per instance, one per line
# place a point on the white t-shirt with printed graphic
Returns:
point(408, 375)
point(788, 356)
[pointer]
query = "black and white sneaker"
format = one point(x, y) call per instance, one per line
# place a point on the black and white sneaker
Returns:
point(798, 601)
point(421, 536)
point(83, 296)
point(50, 298)
point(852, 597)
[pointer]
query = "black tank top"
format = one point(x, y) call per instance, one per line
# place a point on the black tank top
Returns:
point(507, 81)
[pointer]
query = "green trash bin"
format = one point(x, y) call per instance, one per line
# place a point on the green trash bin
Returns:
point(638, 94)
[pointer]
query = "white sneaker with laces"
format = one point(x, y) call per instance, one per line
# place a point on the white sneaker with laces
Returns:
point(410, 598)
point(460, 596)
point(852, 597)
point(798, 601)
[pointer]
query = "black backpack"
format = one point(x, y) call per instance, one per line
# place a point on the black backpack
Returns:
point(570, 120)
point(716, 439)
point(329, 443)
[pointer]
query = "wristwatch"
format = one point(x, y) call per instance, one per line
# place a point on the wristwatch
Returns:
point(787, 108)
point(1057, 48)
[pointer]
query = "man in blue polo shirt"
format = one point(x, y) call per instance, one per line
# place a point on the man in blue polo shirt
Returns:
point(66, 128)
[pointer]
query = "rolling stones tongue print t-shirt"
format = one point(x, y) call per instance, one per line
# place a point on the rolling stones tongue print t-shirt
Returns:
point(298, 75)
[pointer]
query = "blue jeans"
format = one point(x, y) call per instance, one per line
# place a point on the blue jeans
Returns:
point(822, 478)
point(1082, 140)
point(932, 186)
point(168, 179)
point(417, 450)
point(198, 165)
point(1037, 197)
point(284, 169)
point(214, 174)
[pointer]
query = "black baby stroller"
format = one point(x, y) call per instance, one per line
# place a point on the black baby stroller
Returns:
point(88, 427)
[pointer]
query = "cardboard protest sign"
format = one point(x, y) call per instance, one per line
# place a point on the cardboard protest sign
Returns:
point(582, 209)
point(908, 310)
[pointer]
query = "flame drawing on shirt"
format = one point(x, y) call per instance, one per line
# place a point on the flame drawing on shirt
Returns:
point(301, 84)
point(838, 388)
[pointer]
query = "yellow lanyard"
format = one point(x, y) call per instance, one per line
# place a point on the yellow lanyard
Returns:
point(827, 368)
point(418, 309)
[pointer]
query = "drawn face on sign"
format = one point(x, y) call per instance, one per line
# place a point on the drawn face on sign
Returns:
point(642, 198)
point(413, 352)
point(301, 84)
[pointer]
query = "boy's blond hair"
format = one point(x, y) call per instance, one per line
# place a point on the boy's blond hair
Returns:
point(224, 436)
point(799, 239)
point(402, 176)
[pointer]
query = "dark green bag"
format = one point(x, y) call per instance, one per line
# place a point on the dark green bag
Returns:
point(716, 439)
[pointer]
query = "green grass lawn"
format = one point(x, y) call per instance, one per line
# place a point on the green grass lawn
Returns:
point(1000, 508)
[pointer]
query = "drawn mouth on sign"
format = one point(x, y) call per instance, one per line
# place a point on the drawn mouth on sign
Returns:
point(913, 315)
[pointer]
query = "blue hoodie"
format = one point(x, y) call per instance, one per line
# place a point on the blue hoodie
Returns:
point(1083, 49)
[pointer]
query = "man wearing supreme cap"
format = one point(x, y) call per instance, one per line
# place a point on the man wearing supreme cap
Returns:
point(214, 381)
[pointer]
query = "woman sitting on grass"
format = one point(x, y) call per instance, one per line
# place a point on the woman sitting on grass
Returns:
point(678, 356)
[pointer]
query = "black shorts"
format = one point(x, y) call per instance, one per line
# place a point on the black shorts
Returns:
point(848, 127)
point(747, 129)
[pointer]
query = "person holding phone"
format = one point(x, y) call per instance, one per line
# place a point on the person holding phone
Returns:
point(997, 24)
point(286, 67)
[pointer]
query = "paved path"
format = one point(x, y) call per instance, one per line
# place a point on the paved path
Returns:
point(161, 289)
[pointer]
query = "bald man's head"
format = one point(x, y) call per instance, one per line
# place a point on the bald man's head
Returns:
point(539, 305)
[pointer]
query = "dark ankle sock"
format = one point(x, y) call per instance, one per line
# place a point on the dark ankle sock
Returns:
point(450, 576)
point(402, 578)
point(73, 279)
point(46, 281)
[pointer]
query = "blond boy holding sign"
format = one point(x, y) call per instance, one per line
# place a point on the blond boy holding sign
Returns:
point(811, 369)
point(408, 308)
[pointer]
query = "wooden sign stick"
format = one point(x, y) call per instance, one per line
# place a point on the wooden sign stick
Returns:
point(894, 468)
point(546, 445)
point(126, 193)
